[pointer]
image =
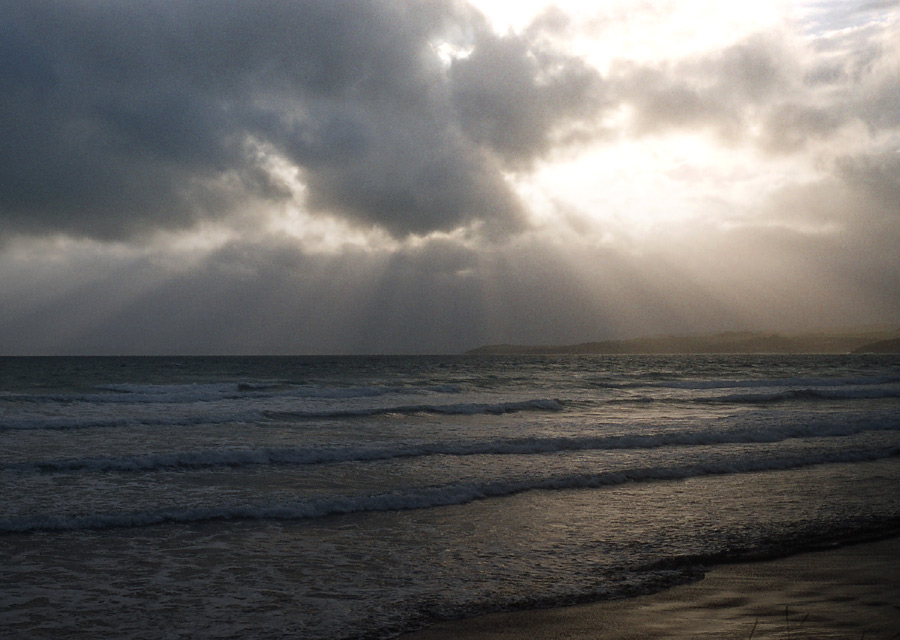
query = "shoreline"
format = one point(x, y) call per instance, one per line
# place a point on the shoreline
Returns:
point(847, 592)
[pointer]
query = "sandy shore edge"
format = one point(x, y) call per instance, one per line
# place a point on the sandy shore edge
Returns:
point(848, 592)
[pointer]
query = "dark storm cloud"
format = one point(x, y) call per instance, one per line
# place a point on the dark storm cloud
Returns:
point(511, 95)
point(120, 117)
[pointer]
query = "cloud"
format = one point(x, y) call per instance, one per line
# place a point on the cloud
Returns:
point(393, 176)
point(267, 295)
point(875, 181)
point(717, 91)
point(775, 91)
point(125, 118)
point(519, 98)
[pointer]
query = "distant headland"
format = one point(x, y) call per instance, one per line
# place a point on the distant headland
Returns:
point(870, 340)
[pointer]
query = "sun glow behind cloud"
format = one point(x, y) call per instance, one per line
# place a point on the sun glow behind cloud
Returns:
point(635, 188)
point(638, 188)
point(629, 187)
point(641, 31)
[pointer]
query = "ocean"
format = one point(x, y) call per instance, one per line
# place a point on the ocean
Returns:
point(361, 497)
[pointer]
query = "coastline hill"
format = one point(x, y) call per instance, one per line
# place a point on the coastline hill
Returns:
point(874, 340)
point(882, 346)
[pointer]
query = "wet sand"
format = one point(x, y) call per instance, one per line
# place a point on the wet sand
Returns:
point(851, 592)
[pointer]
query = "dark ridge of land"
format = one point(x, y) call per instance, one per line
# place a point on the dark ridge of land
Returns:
point(882, 346)
point(880, 340)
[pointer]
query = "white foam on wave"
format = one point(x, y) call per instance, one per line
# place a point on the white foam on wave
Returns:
point(339, 393)
point(469, 408)
point(748, 383)
point(720, 383)
point(142, 393)
point(508, 446)
point(62, 423)
point(432, 496)
point(253, 415)
point(811, 394)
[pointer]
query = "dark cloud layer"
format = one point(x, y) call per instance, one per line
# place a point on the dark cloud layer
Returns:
point(122, 117)
point(510, 99)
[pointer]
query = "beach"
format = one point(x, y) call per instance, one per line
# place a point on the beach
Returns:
point(847, 592)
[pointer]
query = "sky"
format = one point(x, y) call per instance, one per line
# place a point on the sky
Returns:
point(426, 176)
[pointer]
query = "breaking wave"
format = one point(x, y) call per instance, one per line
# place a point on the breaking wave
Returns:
point(468, 408)
point(428, 497)
point(62, 423)
point(510, 446)
point(810, 394)
point(127, 393)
